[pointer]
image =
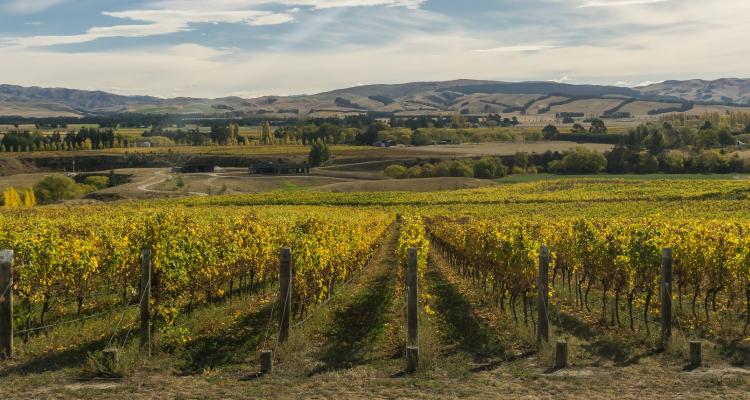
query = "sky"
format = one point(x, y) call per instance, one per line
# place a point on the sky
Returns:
point(250, 48)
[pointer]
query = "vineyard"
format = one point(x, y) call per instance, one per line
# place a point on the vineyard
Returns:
point(196, 257)
point(227, 304)
point(619, 259)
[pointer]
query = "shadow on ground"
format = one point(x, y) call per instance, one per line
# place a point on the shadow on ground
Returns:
point(462, 326)
point(57, 360)
point(230, 345)
point(357, 326)
point(603, 346)
point(737, 350)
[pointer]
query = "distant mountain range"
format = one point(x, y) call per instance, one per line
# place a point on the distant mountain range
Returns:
point(469, 97)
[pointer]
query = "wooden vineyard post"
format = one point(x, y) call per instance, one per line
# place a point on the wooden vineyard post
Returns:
point(412, 358)
point(111, 359)
point(412, 307)
point(543, 304)
point(266, 362)
point(6, 304)
point(285, 292)
point(666, 296)
point(145, 300)
point(696, 356)
point(561, 354)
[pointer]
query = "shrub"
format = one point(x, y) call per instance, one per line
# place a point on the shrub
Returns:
point(673, 162)
point(647, 163)
point(533, 136)
point(395, 171)
point(99, 182)
point(489, 168)
point(580, 161)
point(398, 135)
point(414, 172)
point(521, 160)
point(709, 161)
point(59, 187)
point(460, 169)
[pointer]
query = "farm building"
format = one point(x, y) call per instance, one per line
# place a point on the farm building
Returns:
point(194, 169)
point(269, 168)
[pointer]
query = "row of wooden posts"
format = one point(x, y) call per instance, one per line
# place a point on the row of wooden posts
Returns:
point(285, 305)
point(285, 299)
point(6, 304)
point(561, 347)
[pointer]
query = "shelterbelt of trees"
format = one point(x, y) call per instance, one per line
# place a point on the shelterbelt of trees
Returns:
point(56, 135)
point(709, 131)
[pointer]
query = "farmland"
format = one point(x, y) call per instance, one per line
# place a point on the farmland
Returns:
point(504, 238)
point(216, 262)
point(374, 199)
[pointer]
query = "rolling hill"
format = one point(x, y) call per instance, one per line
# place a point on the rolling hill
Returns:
point(469, 97)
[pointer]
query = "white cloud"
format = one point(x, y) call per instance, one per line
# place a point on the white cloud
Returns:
point(697, 38)
point(30, 6)
point(194, 70)
point(515, 49)
point(316, 4)
point(162, 22)
point(172, 16)
point(185, 17)
point(618, 3)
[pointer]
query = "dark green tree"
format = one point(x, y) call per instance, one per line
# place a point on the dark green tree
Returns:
point(654, 142)
point(597, 126)
point(618, 160)
point(726, 138)
point(550, 132)
point(578, 128)
point(220, 134)
point(319, 154)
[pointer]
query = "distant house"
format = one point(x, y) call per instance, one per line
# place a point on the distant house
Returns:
point(269, 168)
